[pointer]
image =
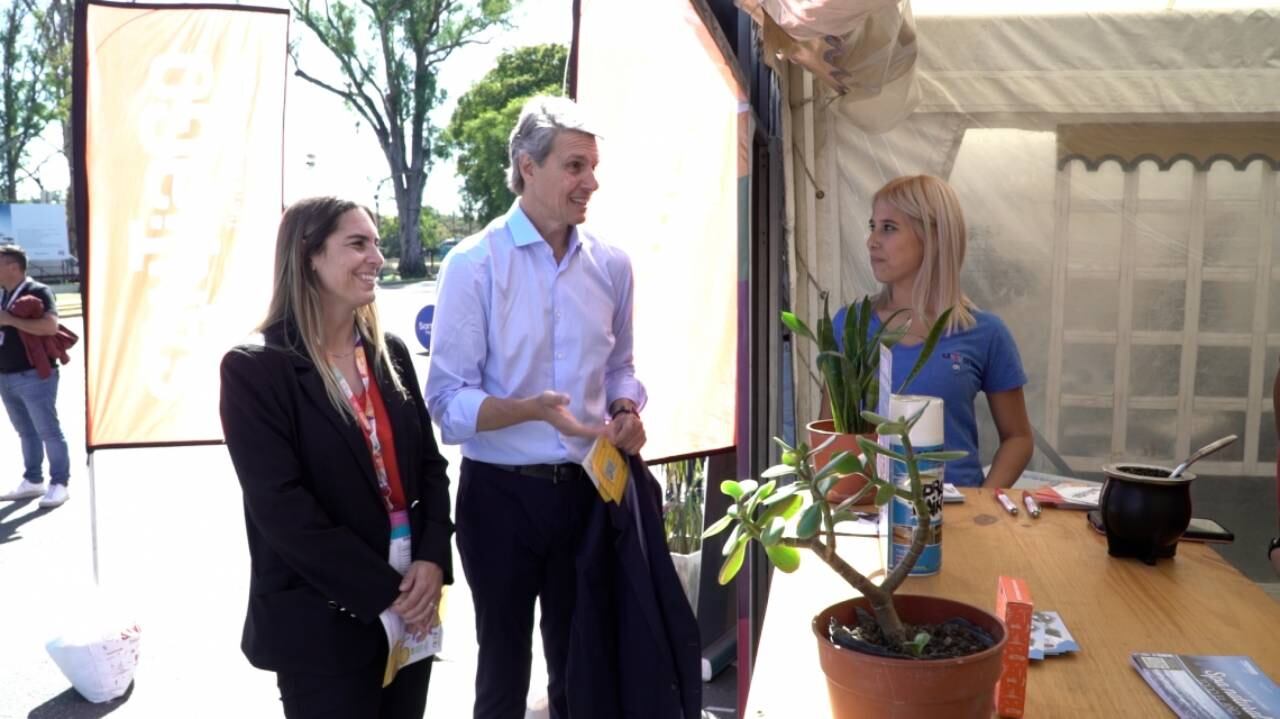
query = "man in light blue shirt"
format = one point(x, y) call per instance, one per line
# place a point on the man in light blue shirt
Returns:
point(531, 359)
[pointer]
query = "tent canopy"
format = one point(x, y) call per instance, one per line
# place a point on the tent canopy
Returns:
point(1116, 166)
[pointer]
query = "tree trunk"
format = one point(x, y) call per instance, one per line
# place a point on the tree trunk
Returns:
point(412, 264)
point(10, 190)
point(68, 136)
point(12, 142)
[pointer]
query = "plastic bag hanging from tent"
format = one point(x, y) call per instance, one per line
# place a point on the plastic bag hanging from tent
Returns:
point(864, 51)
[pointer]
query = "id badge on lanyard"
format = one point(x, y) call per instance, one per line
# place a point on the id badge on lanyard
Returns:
point(11, 300)
point(402, 647)
point(401, 553)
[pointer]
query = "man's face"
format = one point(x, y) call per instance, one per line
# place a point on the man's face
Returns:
point(559, 189)
point(10, 275)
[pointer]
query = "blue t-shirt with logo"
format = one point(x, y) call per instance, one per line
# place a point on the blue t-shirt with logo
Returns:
point(982, 358)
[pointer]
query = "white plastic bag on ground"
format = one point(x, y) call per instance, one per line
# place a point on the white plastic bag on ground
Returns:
point(98, 657)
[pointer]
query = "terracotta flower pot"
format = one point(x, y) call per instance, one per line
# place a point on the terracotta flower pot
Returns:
point(850, 484)
point(865, 686)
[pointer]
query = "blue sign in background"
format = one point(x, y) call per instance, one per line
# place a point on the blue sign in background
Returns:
point(422, 326)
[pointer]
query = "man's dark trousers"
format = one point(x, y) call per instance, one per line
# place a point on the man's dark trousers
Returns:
point(518, 537)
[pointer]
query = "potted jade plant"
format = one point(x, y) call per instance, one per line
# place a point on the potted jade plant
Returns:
point(851, 379)
point(682, 521)
point(884, 654)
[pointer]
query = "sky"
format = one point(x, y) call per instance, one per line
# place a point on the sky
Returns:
point(328, 148)
point(355, 166)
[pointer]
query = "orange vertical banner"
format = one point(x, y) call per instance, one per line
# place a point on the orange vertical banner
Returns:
point(180, 114)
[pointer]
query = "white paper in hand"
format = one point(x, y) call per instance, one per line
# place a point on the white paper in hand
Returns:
point(404, 648)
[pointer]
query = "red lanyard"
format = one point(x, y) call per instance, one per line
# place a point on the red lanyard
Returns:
point(368, 421)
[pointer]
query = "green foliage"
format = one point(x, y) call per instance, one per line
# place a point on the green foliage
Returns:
point(918, 643)
point(432, 230)
point(481, 125)
point(852, 376)
point(682, 504)
point(797, 515)
point(389, 54)
point(26, 106)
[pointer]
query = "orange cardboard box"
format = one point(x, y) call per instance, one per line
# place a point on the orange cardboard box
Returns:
point(1013, 605)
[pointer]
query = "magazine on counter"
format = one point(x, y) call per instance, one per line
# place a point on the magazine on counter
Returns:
point(1210, 687)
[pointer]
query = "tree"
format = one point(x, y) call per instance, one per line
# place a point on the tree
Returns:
point(481, 124)
point(55, 25)
point(24, 109)
point(389, 53)
point(431, 231)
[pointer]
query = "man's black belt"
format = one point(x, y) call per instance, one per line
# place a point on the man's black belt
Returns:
point(553, 472)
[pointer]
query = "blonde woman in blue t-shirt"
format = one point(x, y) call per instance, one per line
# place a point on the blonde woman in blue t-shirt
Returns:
point(916, 246)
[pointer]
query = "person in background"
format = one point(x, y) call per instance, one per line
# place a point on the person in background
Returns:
point(531, 355)
point(31, 401)
point(345, 494)
point(916, 244)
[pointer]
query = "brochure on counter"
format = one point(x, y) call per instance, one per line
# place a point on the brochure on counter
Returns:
point(1210, 687)
point(1069, 495)
point(951, 494)
point(1049, 636)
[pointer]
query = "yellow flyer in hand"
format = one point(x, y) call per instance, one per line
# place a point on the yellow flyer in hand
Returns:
point(608, 469)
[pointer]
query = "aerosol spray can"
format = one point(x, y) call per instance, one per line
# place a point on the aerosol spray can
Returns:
point(926, 436)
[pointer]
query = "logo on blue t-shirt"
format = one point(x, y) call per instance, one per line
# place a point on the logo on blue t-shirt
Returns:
point(957, 360)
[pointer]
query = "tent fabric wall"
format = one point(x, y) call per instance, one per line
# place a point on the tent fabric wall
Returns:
point(996, 92)
point(673, 118)
point(181, 110)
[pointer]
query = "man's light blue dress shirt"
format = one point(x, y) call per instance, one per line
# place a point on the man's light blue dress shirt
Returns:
point(511, 323)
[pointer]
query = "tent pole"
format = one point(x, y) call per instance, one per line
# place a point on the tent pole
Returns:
point(93, 516)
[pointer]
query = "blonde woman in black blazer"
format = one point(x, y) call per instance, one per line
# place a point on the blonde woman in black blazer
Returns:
point(319, 501)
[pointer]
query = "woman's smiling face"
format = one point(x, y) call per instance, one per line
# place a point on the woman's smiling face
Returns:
point(347, 265)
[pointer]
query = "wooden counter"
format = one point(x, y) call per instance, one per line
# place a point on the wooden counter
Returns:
point(1195, 603)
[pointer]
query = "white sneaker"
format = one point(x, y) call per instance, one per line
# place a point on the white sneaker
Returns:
point(55, 497)
point(26, 490)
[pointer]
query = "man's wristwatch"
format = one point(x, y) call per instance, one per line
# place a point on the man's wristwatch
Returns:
point(624, 409)
point(1275, 544)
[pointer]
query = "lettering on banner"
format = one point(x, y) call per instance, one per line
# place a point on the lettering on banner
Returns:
point(173, 244)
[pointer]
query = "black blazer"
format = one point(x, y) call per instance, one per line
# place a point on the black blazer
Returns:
point(634, 647)
point(317, 525)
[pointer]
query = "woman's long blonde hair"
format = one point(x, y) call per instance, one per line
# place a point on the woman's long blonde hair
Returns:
point(295, 298)
point(935, 215)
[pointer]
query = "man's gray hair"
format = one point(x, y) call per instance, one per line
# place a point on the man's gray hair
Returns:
point(541, 120)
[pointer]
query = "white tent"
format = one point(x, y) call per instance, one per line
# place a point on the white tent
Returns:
point(1118, 173)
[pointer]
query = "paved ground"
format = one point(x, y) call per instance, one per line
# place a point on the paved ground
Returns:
point(171, 551)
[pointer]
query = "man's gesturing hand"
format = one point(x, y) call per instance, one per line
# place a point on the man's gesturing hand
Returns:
point(553, 408)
